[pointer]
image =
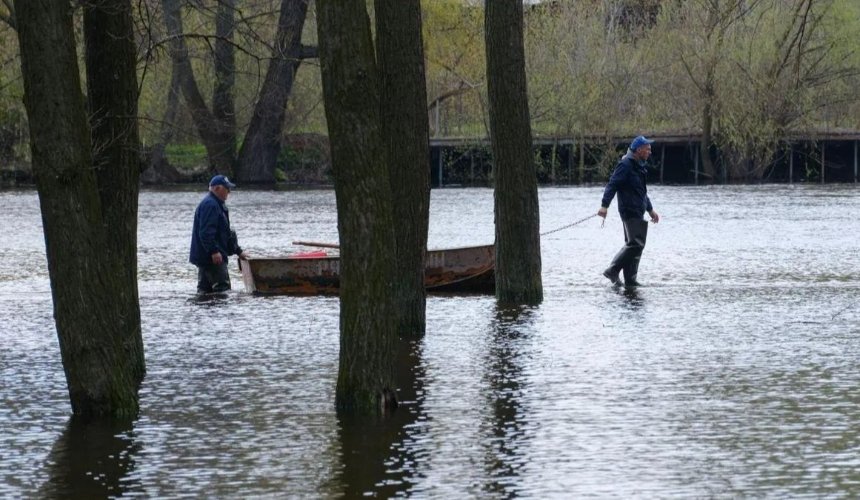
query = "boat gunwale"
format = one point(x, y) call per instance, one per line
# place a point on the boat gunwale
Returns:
point(478, 274)
point(330, 257)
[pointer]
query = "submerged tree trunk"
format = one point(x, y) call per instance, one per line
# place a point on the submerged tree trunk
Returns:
point(366, 443)
point(112, 95)
point(518, 259)
point(97, 322)
point(262, 145)
point(405, 130)
point(368, 330)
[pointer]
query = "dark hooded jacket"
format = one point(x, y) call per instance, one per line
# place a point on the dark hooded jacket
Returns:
point(628, 180)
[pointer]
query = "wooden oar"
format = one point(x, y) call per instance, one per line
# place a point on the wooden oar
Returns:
point(315, 244)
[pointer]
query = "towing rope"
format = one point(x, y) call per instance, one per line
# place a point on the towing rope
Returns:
point(580, 221)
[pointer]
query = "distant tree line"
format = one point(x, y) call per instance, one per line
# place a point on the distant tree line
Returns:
point(239, 78)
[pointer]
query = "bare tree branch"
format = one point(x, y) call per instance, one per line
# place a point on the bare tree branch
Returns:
point(8, 15)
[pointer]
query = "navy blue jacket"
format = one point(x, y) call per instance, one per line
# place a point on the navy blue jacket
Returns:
point(211, 232)
point(628, 180)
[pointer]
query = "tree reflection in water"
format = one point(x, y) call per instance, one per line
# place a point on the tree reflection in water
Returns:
point(379, 456)
point(92, 459)
point(506, 383)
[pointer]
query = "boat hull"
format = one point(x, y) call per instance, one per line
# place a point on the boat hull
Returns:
point(451, 270)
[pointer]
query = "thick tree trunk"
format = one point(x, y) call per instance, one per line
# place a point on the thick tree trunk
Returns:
point(368, 330)
point(217, 135)
point(405, 130)
point(103, 364)
point(262, 145)
point(112, 96)
point(518, 259)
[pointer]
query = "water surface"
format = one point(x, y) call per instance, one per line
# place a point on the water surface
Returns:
point(732, 373)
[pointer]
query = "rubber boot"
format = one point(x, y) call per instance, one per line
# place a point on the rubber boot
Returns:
point(631, 271)
point(612, 275)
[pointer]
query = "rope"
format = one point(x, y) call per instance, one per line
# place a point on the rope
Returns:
point(580, 221)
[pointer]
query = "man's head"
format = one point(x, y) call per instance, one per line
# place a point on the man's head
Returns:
point(220, 186)
point(641, 148)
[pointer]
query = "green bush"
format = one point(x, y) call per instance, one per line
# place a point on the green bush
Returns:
point(186, 156)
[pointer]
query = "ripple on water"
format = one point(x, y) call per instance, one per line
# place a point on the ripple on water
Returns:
point(732, 374)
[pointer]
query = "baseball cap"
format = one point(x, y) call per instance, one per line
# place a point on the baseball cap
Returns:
point(638, 142)
point(221, 180)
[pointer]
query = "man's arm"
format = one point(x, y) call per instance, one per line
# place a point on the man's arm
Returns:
point(655, 217)
point(235, 249)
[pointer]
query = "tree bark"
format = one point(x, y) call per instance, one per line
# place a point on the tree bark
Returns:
point(518, 259)
point(406, 133)
point(368, 330)
point(112, 94)
point(716, 25)
point(101, 349)
point(218, 139)
point(223, 108)
point(262, 145)
point(707, 134)
point(159, 171)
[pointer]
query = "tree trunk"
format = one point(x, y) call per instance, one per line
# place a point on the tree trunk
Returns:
point(405, 132)
point(262, 145)
point(707, 138)
point(368, 331)
point(217, 137)
point(102, 362)
point(518, 259)
point(159, 170)
point(112, 94)
point(223, 108)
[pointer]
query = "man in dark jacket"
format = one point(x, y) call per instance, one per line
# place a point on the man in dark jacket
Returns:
point(212, 240)
point(628, 180)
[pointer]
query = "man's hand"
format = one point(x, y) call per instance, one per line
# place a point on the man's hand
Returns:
point(602, 212)
point(655, 217)
point(243, 255)
point(217, 258)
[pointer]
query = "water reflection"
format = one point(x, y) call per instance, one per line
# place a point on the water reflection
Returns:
point(506, 383)
point(733, 373)
point(632, 295)
point(92, 459)
point(381, 456)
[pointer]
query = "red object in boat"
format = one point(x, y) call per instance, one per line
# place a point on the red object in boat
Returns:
point(314, 254)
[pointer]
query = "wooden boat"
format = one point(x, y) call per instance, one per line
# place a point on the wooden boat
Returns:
point(463, 270)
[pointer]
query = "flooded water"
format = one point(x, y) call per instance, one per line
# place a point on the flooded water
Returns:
point(734, 372)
